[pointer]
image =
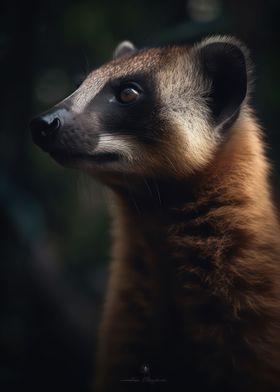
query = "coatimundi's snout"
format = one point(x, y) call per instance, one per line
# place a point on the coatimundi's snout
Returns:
point(148, 112)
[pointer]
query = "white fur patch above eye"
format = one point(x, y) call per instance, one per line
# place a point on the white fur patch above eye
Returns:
point(121, 144)
point(84, 94)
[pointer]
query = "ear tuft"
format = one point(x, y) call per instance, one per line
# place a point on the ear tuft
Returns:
point(224, 63)
point(124, 48)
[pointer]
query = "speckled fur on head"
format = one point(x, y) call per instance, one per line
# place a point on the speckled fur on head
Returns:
point(172, 130)
point(116, 68)
point(182, 115)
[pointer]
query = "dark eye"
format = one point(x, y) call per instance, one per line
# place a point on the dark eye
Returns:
point(128, 94)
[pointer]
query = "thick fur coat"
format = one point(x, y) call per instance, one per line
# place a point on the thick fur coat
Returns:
point(194, 290)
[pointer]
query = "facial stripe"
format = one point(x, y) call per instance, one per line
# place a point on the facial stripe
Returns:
point(121, 144)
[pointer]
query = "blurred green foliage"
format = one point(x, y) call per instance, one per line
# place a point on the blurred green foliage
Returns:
point(54, 224)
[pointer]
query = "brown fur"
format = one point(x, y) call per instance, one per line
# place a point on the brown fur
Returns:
point(195, 278)
point(194, 289)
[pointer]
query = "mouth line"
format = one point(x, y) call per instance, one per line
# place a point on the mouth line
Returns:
point(100, 157)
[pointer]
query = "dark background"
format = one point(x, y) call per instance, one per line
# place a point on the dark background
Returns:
point(54, 225)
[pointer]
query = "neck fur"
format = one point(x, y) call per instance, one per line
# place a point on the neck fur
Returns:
point(237, 175)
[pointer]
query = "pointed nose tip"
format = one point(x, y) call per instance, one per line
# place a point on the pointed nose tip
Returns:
point(44, 128)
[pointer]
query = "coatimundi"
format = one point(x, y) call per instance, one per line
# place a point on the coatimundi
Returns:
point(194, 288)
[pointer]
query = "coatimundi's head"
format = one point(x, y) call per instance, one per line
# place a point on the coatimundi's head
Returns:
point(161, 112)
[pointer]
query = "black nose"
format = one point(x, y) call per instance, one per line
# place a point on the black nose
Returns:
point(45, 127)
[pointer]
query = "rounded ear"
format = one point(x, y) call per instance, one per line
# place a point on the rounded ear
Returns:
point(124, 48)
point(224, 63)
